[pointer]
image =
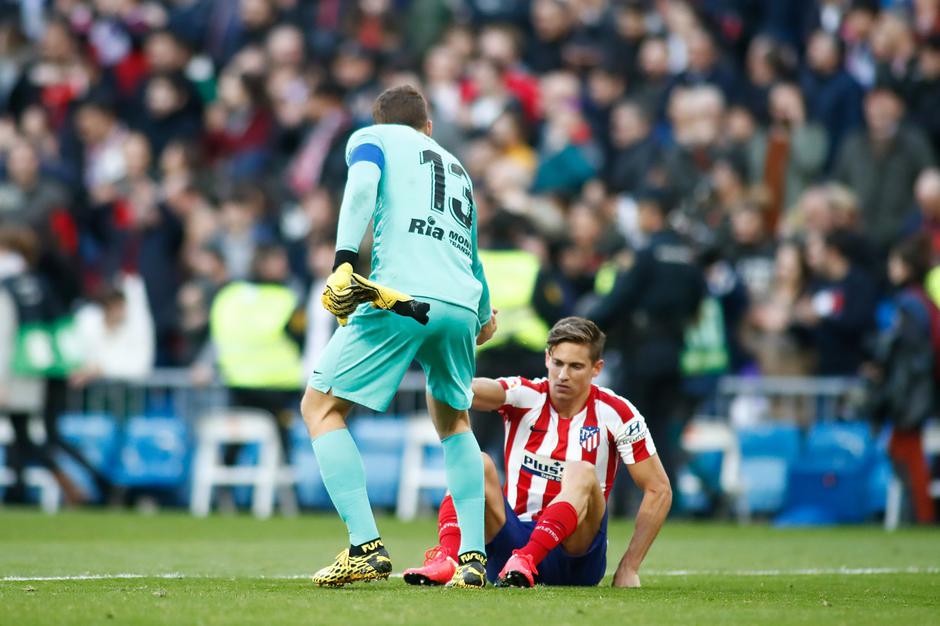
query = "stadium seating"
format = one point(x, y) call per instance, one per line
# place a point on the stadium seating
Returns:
point(698, 483)
point(840, 442)
point(419, 472)
point(270, 478)
point(97, 437)
point(703, 436)
point(839, 474)
point(380, 441)
point(829, 482)
point(154, 452)
point(311, 492)
point(767, 450)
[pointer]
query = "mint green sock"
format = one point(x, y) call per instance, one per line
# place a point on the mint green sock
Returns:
point(345, 479)
point(463, 467)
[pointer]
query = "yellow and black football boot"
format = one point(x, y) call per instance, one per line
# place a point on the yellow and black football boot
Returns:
point(372, 564)
point(471, 571)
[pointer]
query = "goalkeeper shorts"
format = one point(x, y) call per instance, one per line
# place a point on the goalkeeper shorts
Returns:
point(365, 361)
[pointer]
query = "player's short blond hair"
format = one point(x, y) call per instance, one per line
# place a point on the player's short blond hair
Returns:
point(580, 331)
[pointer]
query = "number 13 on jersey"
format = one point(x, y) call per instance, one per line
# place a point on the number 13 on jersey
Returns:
point(439, 189)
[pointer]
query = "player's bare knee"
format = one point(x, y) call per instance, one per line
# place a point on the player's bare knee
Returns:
point(315, 408)
point(308, 407)
point(579, 475)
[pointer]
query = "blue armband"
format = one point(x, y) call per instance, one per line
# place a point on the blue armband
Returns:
point(368, 152)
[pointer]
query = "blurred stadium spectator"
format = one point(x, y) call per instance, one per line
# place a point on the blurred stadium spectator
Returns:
point(115, 335)
point(904, 372)
point(256, 329)
point(177, 140)
point(35, 353)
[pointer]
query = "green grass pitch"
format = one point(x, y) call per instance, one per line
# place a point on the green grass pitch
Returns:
point(173, 569)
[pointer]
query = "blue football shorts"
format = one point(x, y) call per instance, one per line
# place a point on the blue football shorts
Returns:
point(559, 567)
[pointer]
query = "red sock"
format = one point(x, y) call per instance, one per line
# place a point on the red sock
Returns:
point(556, 524)
point(448, 531)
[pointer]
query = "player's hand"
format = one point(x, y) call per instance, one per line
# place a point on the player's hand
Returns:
point(339, 297)
point(383, 297)
point(487, 332)
point(626, 577)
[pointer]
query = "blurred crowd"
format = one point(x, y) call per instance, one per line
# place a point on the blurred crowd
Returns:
point(180, 145)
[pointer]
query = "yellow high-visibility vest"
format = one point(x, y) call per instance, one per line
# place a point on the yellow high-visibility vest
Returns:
point(932, 285)
point(247, 324)
point(511, 276)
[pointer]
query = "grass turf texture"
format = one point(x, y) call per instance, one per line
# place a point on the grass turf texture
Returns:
point(236, 570)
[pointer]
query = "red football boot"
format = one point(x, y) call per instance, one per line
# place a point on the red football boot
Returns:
point(519, 571)
point(438, 569)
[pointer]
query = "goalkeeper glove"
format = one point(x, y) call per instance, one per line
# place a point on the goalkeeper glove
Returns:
point(346, 290)
point(390, 299)
point(339, 297)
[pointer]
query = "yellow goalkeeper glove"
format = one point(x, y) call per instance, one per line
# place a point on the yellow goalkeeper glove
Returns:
point(339, 297)
point(390, 299)
point(346, 290)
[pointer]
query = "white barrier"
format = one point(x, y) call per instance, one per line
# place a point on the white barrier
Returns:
point(704, 435)
point(749, 399)
point(271, 478)
point(415, 475)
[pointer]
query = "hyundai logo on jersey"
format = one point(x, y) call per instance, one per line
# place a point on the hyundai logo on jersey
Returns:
point(590, 437)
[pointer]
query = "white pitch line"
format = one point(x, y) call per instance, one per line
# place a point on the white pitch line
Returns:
point(172, 576)
point(835, 571)
point(841, 571)
point(90, 577)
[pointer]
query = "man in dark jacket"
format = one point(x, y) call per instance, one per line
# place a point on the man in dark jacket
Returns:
point(832, 95)
point(882, 163)
point(165, 113)
point(652, 302)
point(925, 91)
point(904, 373)
point(633, 150)
point(32, 200)
point(706, 67)
point(839, 313)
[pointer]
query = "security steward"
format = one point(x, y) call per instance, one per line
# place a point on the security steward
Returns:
point(257, 327)
point(656, 295)
point(520, 342)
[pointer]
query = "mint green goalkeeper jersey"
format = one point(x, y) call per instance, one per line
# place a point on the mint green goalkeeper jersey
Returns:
point(424, 218)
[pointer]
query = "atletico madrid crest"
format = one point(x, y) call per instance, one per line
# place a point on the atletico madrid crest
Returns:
point(590, 437)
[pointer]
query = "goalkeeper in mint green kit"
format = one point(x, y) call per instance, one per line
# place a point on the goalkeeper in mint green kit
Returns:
point(426, 299)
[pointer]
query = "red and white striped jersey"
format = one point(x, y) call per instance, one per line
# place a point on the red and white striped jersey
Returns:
point(539, 443)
